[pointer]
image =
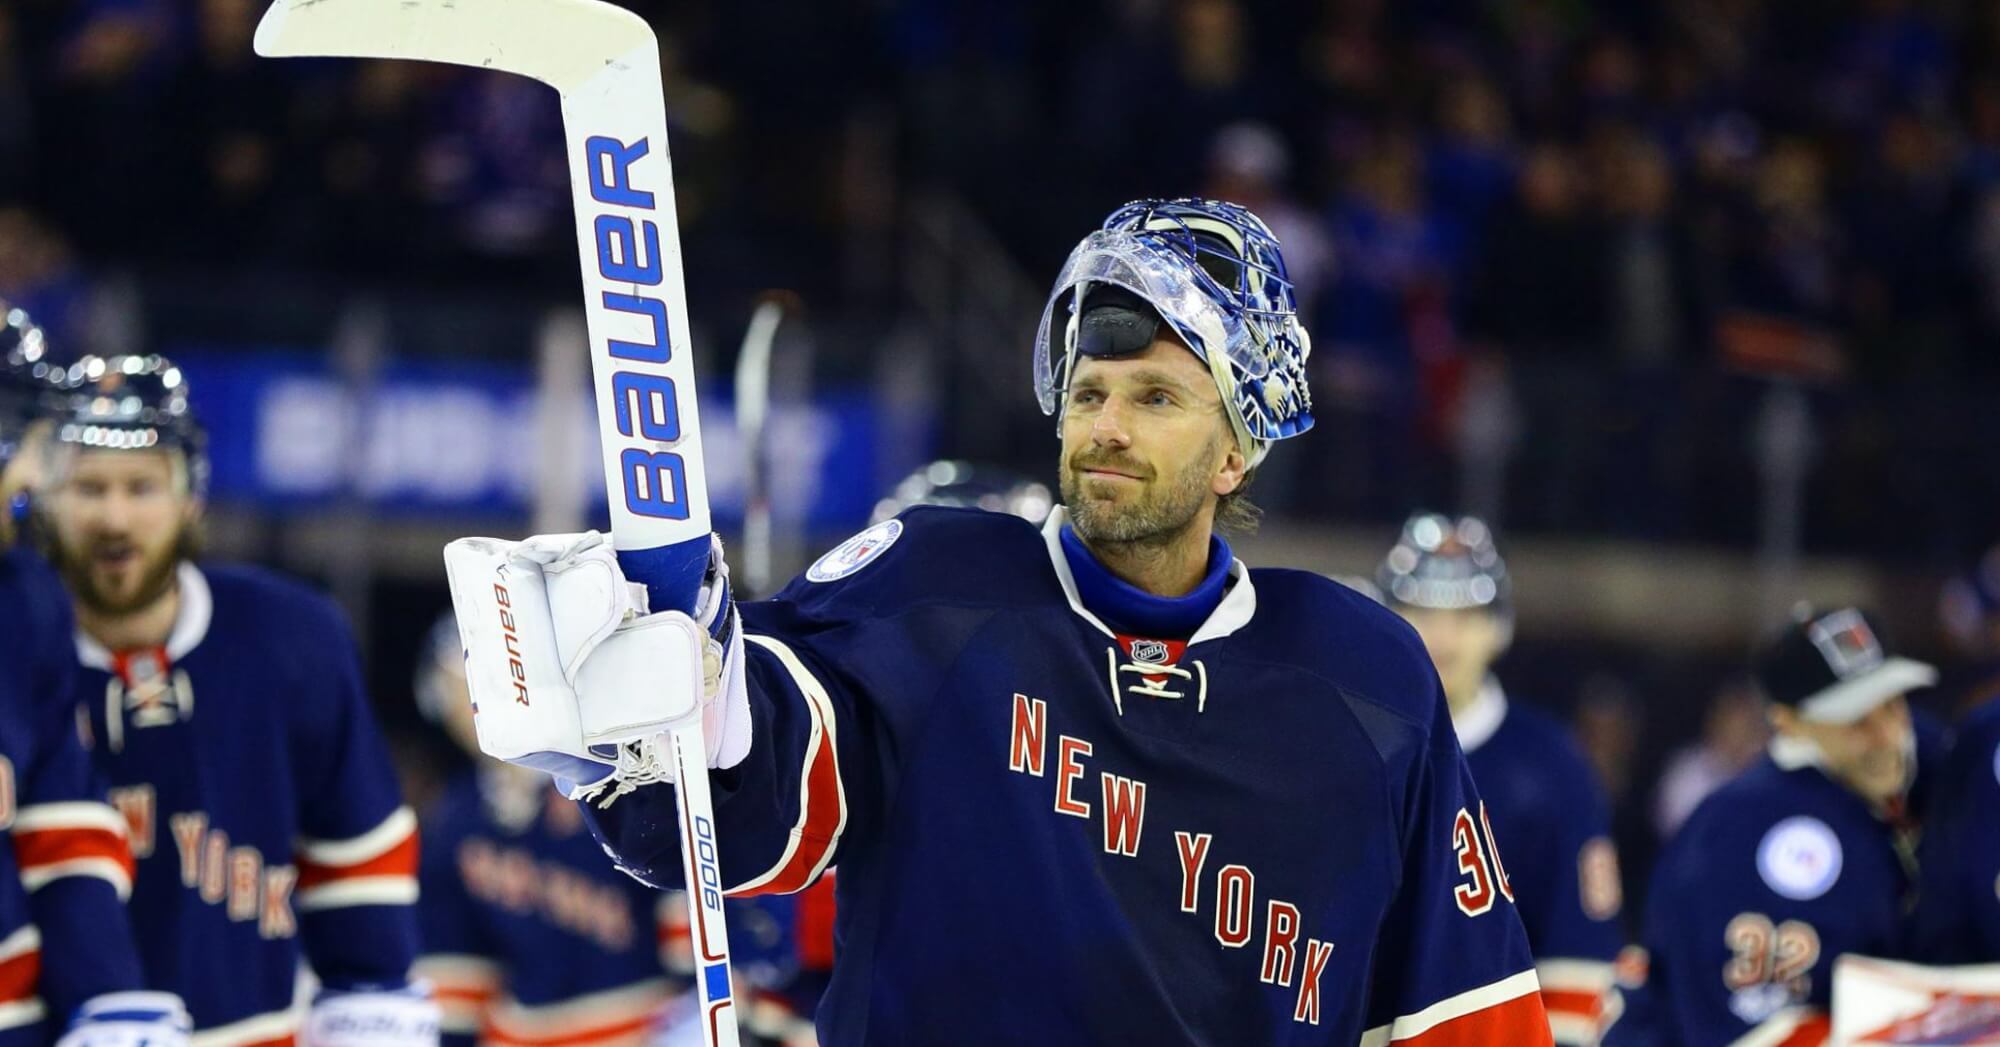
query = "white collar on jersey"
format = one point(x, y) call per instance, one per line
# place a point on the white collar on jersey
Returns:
point(190, 622)
point(1233, 613)
point(1791, 753)
point(1480, 720)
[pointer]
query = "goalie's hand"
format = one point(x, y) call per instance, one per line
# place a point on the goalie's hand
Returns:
point(569, 674)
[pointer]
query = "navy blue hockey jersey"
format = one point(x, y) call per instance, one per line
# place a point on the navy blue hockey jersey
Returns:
point(1774, 877)
point(529, 935)
point(66, 870)
point(531, 938)
point(262, 807)
point(1268, 836)
point(1958, 916)
point(1552, 823)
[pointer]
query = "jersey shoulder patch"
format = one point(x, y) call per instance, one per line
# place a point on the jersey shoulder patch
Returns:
point(1799, 858)
point(855, 553)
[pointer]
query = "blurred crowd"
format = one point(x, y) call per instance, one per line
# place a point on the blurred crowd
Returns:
point(1612, 211)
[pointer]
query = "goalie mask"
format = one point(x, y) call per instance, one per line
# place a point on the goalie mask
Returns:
point(1212, 273)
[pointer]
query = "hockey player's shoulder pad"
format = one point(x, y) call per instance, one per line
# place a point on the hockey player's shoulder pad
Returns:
point(37, 607)
point(929, 555)
point(280, 604)
point(1733, 818)
point(302, 632)
point(1555, 751)
point(1347, 638)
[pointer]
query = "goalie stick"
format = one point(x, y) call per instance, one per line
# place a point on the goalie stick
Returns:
point(604, 62)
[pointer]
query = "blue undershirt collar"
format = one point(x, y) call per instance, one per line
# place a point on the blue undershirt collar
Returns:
point(1128, 609)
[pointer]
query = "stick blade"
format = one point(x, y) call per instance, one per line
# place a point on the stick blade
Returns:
point(559, 42)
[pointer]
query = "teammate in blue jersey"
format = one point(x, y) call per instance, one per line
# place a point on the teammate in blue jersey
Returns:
point(67, 960)
point(528, 936)
point(1958, 914)
point(1550, 815)
point(531, 937)
point(1094, 782)
point(1806, 856)
point(225, 707)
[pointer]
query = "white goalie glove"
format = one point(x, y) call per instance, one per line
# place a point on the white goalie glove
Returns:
point(571, 675)
point(130, 1019)
point(405, 1017)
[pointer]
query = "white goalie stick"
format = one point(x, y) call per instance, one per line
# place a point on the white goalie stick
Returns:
point(604, 61)
point(753, 416)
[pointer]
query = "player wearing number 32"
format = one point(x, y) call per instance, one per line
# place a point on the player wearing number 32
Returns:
point(1806, 856)
point(1096, 782)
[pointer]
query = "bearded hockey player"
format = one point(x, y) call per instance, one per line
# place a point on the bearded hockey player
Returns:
point(225, 707)
point(1550, 815)
point(68, 966)
point(1804, 857)
point(1096, 782)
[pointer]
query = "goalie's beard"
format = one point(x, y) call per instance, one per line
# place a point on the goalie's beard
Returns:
point(1163, 510)
point(156, 577)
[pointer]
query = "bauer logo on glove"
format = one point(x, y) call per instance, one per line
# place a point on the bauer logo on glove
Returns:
point(561, 658)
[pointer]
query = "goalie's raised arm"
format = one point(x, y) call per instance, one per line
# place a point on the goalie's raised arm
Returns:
point(570, 676)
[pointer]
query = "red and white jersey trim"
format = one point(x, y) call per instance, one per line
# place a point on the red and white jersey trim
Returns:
point(1791, 1027)
point(270, 1028)
point(822, 796)
point(463, 986)
point(72, 838)
point(378, 867)
point(1507, 1011)
point(621, 1015)
point(20, 974)
point(1578, 996)
point(16, 1013)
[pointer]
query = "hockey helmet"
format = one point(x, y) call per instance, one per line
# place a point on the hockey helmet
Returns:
point(963, 484)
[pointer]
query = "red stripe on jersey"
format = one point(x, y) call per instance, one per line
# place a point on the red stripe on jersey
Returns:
point(19, 975)
point(824, 814)
point(1811, 1032)
point(398, 860)
point(633, 1028)
point(43, 847)
point(812, 926)
point(287, 1040)
point(1519, 1021)
point(466, 993)
point(1568, 1001)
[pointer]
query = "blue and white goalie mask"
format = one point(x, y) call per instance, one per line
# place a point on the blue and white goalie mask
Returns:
point(1213, 273)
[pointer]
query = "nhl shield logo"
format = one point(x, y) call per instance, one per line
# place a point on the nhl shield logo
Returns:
point(856, 552)
point(1149, 652)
